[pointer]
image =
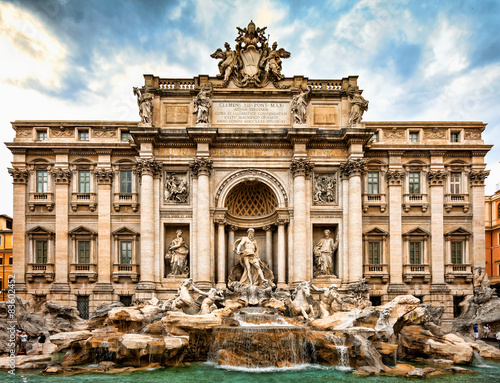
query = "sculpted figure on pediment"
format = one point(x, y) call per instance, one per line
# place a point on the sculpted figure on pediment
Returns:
point(145, 103)
point(202, 104)
point(230, 61)
point(358, 105)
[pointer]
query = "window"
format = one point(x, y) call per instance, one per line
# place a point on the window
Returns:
point(413, 137)
point(83, 134)
point(9, 224)
point(11, 260)
point(455, 183)
point(41, 135)
point(373, 183)
point(455, 137)
point(374, 253)
point(414, 182)
point(126, 252)
point(498, 207)
point(375, 300)
point(415, 253)
point(457, 252)
point(1, 260)
point(126, 181)
point(42, 177)
point(1, 240)
point(84, 252)
point(375, 137)
point(126, 300)
point(125, 136)
point(83, 305)
point(41, 252)
point(84, 181)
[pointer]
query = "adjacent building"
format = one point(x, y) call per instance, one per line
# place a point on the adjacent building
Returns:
point(492, 210)
point(6, 259)
point(101, 208)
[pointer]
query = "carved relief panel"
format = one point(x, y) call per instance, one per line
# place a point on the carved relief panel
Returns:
point(325, 188)
point(176, 187)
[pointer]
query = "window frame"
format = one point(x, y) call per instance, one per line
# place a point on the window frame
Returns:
point(127, 183)
point(83, 134)
point(371, 184)
point(41, 183)
point(411, 257)
point(44, 256)
point(84, 252)
point(411, 183)
point(42, 135)
point(85, 182)
point(129, 251)
point(413, 136)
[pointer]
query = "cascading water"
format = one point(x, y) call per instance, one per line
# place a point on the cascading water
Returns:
point(261, 340)
point(341, 348)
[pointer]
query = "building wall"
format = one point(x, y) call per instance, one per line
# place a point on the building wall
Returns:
point(492, 219)
point(6, 260)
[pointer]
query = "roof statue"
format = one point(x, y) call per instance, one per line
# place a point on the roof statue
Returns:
point(252, 63)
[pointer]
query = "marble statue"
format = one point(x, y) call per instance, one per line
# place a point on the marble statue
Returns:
point(301, 304)
point(253, 62)
point(176, 188)
point(298, 106)
point(177, 254)
point(208, 303)
point(358, 105)
point(325, 189)
point(202, 104)
point(330, 295)
point(250, 269)
point(145, 103)
point(230, 61)
point(185, 300)
point(359, 297)
point(323, 254)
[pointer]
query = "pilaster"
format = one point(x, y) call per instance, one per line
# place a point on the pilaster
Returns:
point(437, 180)
point(476, 179)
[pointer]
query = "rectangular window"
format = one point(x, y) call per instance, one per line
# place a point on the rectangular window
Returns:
point(11, 260)
point(1, 240)
point(416, 253)
point(84, 181)
point(41, 135)
point(413, 137)
point(41, 252)
point(126, 181)
point(414, 182)
point(125, 136)
point(84, 252)
point(83, 306)
point(457, 253)
point(375, 137)
point(83, 134)
point(455, 137)
point(374, 253)
point(42, 178)
point(126, 300)
point(126, 252)
point(455, 183)
point(373, 183)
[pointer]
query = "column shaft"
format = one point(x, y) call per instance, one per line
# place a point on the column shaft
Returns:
point(62, 250)
point(299, 230)
point(437, 230)
point(105, 261)
point(203, 229)
point(147, 229)
point(355, 225)
point(281, 255)
point(221, 255)
point(395, 250)
point(478, 233)
point(269, 248)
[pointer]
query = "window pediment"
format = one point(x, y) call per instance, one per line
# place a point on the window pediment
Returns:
point(376, 232)
point(417, 232)
point(82, 230)
point(40, 230)
point(125, 231)
point(458, 232)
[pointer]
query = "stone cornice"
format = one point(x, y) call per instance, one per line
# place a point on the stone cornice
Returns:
point(300, 135)
point(202, 135)
point(201, 166)
point(301, 167)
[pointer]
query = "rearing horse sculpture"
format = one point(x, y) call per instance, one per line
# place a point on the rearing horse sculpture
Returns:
point(301, 304)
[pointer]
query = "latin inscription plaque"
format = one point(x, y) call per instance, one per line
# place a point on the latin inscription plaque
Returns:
point(250, 113)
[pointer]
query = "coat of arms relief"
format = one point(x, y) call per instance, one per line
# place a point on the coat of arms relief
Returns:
point(253, 63)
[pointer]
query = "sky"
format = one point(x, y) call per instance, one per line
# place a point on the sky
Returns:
point(417, 60)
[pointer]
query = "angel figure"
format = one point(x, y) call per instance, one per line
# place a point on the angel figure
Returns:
point(272, 62)
point(230, 61)
point(299, 106)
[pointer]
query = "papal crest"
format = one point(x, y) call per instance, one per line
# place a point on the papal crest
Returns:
point(252, 62)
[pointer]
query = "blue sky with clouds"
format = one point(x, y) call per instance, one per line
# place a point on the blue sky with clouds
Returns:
point(417, 60)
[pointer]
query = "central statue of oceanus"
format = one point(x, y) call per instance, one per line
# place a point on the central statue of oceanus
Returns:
point(250, 270)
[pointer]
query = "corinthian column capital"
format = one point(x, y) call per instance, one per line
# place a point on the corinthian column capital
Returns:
point(148, 166)
point(354, 167)
point(201, 166)
point(301, 167)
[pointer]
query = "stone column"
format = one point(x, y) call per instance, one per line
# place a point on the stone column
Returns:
point(60, 290)
point(395, 179)
point(344, 264)
point(230, 243)
point(436, 181)
point(20, 180)
point(269, 246)
point(147, 168)
point(477, 178)
point(353, 169)
point(221, 254)
point(104, 289)
point(202, 168)
point(300, 168)
point(281, 254)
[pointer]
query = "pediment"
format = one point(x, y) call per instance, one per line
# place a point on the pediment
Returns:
point(82, 230)
point(376, 231)
point(125, 231)
point(418, 231)
point(39, 230)
point(459, 231)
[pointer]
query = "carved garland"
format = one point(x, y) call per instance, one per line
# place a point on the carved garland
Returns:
point(249, 173)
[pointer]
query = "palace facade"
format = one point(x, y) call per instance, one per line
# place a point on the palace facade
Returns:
point(492, 206)
point(98, 205)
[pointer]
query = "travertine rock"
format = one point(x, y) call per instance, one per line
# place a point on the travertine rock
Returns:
point(64, 339)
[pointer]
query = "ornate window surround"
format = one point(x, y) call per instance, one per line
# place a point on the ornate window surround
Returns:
point(125, 199)
point(415, 200)
point(89, 270)
point(380, 199)
point(126, 270)
point(381, 270)
point(464, 269)
point(83, 199)
point(461, 199)
point(45, 270)
point(40, 199)
point(412, 271)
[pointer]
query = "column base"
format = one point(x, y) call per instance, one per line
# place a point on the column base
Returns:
point(60, 288)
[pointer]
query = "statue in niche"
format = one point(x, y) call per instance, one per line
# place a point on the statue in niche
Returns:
point(230, 63)
point(145, 103)
point(323, 254)
point(202, 104)
point(177, 254)
point(358, 105)
point(299, 106)
point(330, 295)
point(176, 188)
point(250, 270)
point(325, 189)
